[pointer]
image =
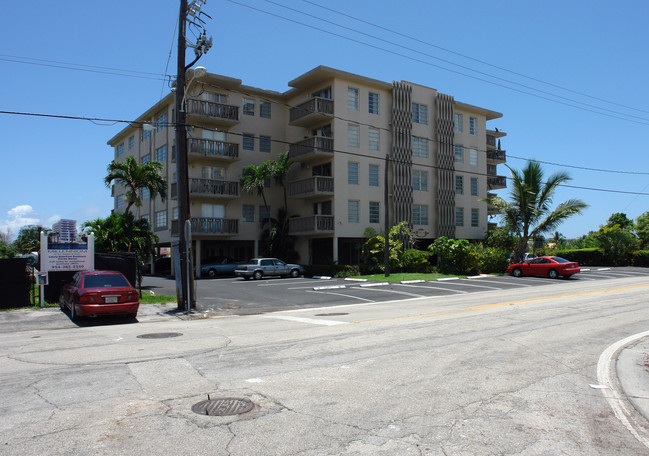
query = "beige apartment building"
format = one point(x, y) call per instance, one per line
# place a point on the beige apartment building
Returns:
point(339, 128)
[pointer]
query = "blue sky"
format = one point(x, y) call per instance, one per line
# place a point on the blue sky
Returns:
point(54, 168)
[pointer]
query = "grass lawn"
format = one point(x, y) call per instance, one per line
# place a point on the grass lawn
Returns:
point(400, 276)
point(150, 298)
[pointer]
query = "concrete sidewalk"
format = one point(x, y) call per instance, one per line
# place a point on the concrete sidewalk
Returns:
point(633, 373)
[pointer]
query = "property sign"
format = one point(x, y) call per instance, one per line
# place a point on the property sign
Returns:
point(58, 256)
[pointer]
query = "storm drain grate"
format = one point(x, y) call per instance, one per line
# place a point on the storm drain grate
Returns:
point(332, 314)
point(158, 335)
point(223, 406)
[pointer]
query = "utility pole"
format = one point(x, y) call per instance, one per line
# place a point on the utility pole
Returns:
point(181, 154)
point(387, 217)
point(184, 213)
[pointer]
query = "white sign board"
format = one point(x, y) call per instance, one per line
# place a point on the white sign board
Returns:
point(67, 257)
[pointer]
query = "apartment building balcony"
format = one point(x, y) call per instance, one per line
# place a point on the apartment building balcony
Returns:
point(310, 149)
point(496, 182)
point(496, 157)
point(203, 226)
point(211, 113)
point(314, 187)
point(212, 150)
point(313, 111)
point(214, 188)
point(314, 224)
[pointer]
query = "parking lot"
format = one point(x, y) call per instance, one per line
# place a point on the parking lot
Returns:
point(234, 296)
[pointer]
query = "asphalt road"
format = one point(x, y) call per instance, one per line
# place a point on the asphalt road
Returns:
point(500, 371)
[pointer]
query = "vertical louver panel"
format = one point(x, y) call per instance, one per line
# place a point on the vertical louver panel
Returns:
point(401, 156)
point(445, 166)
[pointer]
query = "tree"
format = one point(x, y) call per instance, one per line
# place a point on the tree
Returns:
point(122, 233)
point(620, 218)
point(135, 178)
point(559, 239)
point(278, 170)
point(7, 249)
point(642, 230)
point(616, 243)
point(276, 240)
point(29, 239)
point(253, 181)
point(528, 214)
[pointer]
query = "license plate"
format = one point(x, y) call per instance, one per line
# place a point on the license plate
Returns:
point(110, 299)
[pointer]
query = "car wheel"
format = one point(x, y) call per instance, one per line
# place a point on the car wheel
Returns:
point(553, 274)
point(295, 273)
point(517, 272)
point(62, 303)
point(73, 313)
point(211, 273)
point(257, 275)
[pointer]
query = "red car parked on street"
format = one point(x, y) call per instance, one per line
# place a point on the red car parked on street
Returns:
point(551, 266)
point(95, 293)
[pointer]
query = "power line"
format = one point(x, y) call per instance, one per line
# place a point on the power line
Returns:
point(358, 154)
point(288, 105)
point(444, 68)
point(410, 37)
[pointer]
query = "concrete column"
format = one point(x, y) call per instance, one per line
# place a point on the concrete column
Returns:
point(197, 270)
point(335, 249)
point(256, 247)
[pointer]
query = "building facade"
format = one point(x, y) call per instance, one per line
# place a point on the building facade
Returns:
point(349, 137)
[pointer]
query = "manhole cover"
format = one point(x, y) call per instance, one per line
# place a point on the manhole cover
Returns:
point(158, 335)
point(223, 406)
point(333, 314)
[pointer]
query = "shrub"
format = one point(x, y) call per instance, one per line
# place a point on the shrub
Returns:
point(491, 259)
point(640, 258)
point(585, 257)
point(347, 270)
point(455, 256)
point(414, 260)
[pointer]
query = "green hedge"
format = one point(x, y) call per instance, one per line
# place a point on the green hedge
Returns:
point(640, 258)
point(585, 257)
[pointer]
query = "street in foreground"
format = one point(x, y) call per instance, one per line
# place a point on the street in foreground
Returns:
point(491, 372)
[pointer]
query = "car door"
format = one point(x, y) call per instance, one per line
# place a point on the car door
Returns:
point(267, 267)
point(539, 266)
point(280, 267)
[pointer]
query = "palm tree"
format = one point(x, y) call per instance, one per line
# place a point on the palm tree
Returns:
point(253, 181)
point(278, 170)
point(529, 214)
point(136, 177)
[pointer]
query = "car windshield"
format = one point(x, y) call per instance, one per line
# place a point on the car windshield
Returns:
point(561, 260)
point(105, 281)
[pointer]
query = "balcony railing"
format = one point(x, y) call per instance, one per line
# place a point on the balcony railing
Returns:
point(213, 149)
point(313, 186)
point(499, 156)
point(218, 113)
point(213, 187)
point(313, 224)
point(210, 226)
point(315, 109)
point(496, 182)
point(314, 147)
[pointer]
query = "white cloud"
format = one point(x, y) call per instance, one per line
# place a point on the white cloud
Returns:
point(18, 217)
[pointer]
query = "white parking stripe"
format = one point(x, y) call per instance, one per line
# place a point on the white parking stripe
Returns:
point(341, 294)
point(311, 321)
point(394, 291)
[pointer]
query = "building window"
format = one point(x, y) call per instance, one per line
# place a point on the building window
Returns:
point(323, 93)
point(473, 157)
point(161, 154)
point(459, 185)
point(352, 98)
point(120, 201)
point(419, 147)
point(475, 217)
point(120, 150)
point(373, 103)
point(264, 144)
point(458, 122)
point(215, 97)
point(474, 186)
point(161, 123)
point(373, 139)
point(264, 109)
point(213, 172)
point(264, 214)
point(146, 217)
point(131, 142)
point(146, 159)
point(248, 107)
point(174, 213)
point(459, 154)
point(248, 213)
point(374, 175)
point(161, 219)
point(420, 113)
point(353, 134)
point(420, 180)
point(352, 173)
point(419, 214)
point(248, 141)
point(459, 216)
point(473, 126)
point(323, 208)
point(375, 212)
point(145, 135)
point(352, 211)
point(146, 193)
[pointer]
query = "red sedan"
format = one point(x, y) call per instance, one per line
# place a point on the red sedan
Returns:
point(551, 266)
point(94, 293)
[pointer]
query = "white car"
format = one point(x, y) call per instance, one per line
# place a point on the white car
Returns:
point(260, 267)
